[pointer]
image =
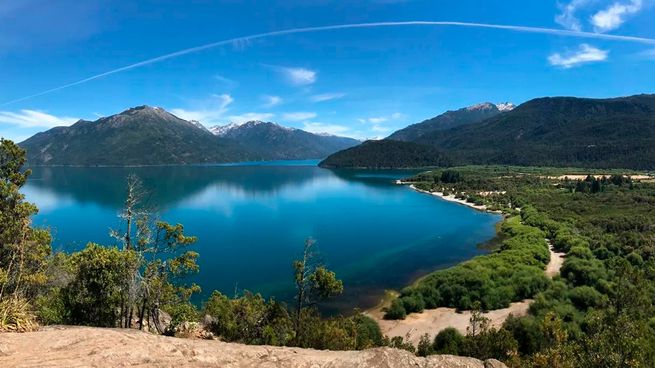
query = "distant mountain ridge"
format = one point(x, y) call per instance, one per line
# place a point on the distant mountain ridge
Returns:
point(146, 135)
point(550, 131)
point(277, 142)
point(451, 119)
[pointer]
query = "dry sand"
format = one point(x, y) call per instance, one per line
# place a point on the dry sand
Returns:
point(431, 321)
point(451, 198)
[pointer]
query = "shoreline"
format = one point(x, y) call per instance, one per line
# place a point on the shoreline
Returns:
point(432, 321)
point(450, 198)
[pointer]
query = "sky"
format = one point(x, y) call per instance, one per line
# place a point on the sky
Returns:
point(65, 60)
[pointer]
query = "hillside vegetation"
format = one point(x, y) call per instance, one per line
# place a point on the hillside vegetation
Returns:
point(598, 313)
point(275, 142)
point(558, 131)
point(445, 121)
point(147, 135)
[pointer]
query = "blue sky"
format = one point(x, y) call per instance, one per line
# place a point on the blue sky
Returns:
point(360, 82)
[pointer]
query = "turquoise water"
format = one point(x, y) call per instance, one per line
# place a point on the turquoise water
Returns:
point(251, 221)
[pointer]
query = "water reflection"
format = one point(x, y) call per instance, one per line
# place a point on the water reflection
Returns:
point(251, 222)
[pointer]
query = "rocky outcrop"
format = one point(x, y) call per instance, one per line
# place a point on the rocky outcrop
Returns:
point(97, 347)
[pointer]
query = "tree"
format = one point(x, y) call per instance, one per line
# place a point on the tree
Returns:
point(314, 282)
point(155, 280)
point(23, 249)
point(448, 341)
point(95, 294)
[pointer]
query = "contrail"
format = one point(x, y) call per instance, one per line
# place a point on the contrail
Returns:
point(552, 31)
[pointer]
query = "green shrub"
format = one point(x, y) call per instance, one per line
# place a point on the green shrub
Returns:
point(448, 341)
point(396, 310)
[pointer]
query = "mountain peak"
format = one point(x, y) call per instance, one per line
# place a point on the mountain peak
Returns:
point(505, 106)
point(481, 106)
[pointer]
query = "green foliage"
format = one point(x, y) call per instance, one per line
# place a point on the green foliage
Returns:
point(138, 136)
point(23, 249)
point(375, 155)
point(599, 311)
point(448, 341)
point(93, 297)
point(314, 283)
point(513, 272)
point(368, 332)
point(424, 347)
point(559, 131)
point(51, 309)
point(396, 310)
point(450, 177)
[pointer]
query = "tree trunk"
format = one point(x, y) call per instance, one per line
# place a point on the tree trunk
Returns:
point(141, 313)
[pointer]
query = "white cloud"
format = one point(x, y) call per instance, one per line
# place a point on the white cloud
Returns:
point(382, 119)
point(271, 101)
point(612, 17)
point(209, 115)
point(584, 54)
point(299, 116)
point(567, 17)
point(34, 119)
point(297, 76)
point(316, 127)
point(377, 120)
point(326, 97)
point(250, 116)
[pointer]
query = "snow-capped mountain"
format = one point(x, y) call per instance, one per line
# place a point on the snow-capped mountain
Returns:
point(280, 142)
point(451, 119)
point(505, 106)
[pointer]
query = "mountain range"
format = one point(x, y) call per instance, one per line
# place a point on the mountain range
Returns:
point(276, 142)
point(551, 131)
point(147, 135)
point(451, 119)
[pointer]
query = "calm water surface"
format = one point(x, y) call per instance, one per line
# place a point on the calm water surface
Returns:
point(251, 221)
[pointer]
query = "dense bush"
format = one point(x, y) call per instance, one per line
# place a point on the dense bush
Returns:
point(448, 341)
point(511, 273)
point(93, 297)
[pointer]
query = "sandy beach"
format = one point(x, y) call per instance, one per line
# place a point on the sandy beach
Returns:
point(451, 198)
point(432, 321)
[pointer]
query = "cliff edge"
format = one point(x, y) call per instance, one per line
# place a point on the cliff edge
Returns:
point(63, 346)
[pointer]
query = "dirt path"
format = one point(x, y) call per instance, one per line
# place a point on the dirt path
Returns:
point(432, 321)
point(64, 346)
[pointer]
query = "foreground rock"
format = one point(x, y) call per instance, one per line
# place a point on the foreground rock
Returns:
point(86, 346)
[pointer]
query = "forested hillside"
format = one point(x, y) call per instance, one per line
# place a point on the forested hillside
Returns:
point(559, 131)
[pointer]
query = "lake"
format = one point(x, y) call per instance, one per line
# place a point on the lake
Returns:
point(251, 221)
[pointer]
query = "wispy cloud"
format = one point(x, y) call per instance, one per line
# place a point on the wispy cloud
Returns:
point(334, 129)
point(34, 119)
point(613, 16)
point(567, 17)
point(251, 116)
point(379, 124)
point(271, 101)
point(191, 50)
point(377, 120)
point(298, 116)
point(648, 54)
point(382, 119)
point(296, 76)
point(326, 97)
point(211, 114)
point(584, 54)
point(226, 82)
